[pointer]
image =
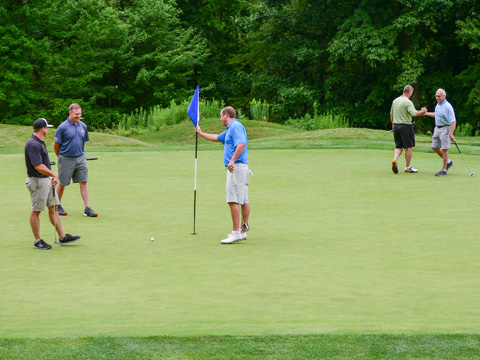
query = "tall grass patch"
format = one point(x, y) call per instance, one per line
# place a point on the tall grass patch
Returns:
point(326, 120)
point(156, 117)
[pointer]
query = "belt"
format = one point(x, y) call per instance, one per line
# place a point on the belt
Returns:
point(442, 126)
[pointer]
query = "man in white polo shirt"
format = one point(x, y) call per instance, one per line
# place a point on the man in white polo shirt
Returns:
point(445, 123)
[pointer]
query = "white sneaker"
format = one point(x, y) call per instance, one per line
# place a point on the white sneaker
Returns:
point(244, 236)
point(231, 238)
point(410, 170)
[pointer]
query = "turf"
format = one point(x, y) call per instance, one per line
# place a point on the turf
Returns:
point(338, 243)
point(341, 251)
point(313, 347)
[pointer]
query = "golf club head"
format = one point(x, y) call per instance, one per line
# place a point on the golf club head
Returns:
point(472, 173)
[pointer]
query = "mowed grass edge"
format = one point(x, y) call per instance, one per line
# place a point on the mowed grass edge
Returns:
point(347, 346)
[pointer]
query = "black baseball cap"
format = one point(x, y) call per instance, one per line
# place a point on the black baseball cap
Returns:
point(40, 123)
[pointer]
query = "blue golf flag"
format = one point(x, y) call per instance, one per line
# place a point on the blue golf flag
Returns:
point(194, 107)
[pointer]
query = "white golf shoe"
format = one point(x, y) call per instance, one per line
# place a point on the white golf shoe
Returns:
point(232, 237)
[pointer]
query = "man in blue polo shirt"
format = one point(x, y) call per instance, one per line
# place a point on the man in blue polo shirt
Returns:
point(70, 139)
point(445, 123)
point(235, 160)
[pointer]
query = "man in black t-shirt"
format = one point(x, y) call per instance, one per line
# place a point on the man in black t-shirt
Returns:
point(41, 187)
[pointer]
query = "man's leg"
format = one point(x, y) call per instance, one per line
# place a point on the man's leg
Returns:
point(408, 156)
point(444, 155)
point(60, 190)
point(398, 152)
point(245, 212)
point(84, 193)
point(35, 224)
point(235, 212)
point(57, 222)
point(445, 158)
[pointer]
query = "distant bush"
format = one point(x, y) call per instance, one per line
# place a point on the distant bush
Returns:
point(157, 117)
point(327, 120)
point(464, 129)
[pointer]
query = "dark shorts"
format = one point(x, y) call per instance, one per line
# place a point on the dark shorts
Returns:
point(74, 168)
point(404, 136)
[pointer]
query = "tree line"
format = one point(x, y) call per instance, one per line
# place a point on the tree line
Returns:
point(347, 58)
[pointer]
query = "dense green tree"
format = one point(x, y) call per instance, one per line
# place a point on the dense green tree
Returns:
point(283, 57)
point(214, 21)
point(111, 56)
point(468, 32)
point(385, 45)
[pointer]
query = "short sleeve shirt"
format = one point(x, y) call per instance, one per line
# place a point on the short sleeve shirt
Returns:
point(402, 110)
point(234, 134)
point(36, 153)
point(444, 114)
point(71, 138)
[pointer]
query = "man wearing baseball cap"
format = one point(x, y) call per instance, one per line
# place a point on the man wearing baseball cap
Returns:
point(41, 186)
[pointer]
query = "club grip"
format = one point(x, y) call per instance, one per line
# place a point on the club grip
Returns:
point(234, 179)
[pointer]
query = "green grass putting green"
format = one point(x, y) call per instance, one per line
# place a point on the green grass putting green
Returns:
point(338, 244)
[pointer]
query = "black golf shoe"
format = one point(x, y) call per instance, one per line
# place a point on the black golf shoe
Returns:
point(395, 166)
point(449, 164)
point(89, 212)
point(68, 239)
point(60, 210)
point(441, 173)
point(41, 245)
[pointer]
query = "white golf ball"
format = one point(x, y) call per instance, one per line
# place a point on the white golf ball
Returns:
point(152, 239)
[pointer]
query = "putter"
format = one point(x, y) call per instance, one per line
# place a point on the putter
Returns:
point(471, 172)
point(54, 163)
point(413, 122)
point(54, 216)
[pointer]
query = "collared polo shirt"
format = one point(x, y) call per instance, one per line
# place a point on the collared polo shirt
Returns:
point(234, 134)
point(71, 138)
point(402, 110)
point(36, 153)
point(444, 113)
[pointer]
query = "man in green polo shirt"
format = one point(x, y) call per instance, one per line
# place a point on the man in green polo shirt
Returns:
point(401, 115)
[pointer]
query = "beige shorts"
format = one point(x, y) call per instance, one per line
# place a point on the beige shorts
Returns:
point(242, 175)
point(41, 193)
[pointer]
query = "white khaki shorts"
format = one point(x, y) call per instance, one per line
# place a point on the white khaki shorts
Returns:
point(41, 193)
point(242, 175)
point(441, 138)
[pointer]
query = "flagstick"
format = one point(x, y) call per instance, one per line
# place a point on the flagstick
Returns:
point(195, 186)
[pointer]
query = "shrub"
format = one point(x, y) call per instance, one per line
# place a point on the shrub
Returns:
point(465, 129)
point(259, 111)
point(328, 120)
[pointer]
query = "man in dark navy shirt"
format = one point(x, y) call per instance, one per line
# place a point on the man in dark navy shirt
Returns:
point(41, 187)
point(69, 142)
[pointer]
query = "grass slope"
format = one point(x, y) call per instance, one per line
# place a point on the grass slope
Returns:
point(261, 135)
